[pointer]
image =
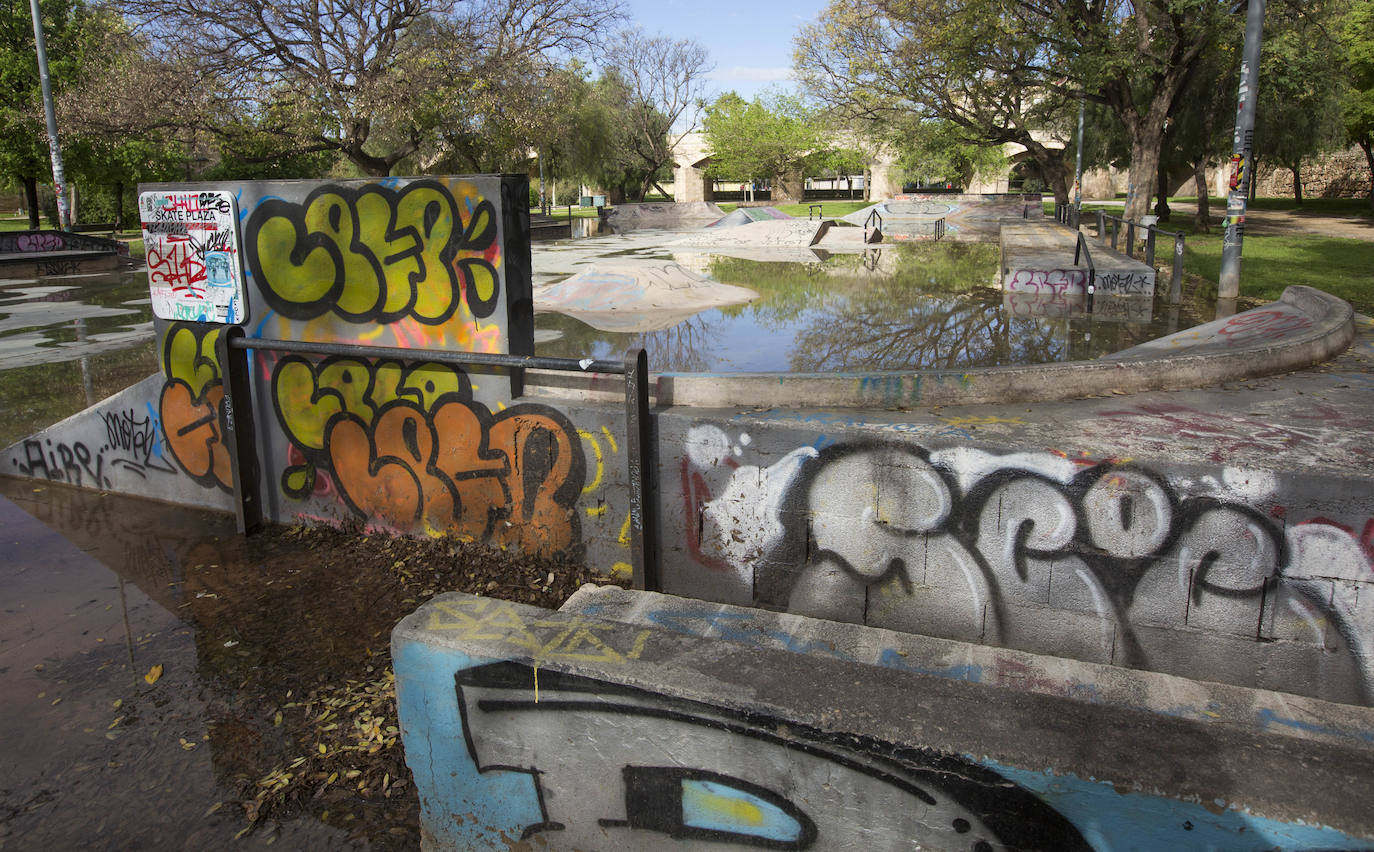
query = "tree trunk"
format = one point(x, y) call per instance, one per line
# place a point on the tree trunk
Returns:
point(1143, 174)
point(119, 205)
point(1054, 168)
point(1297, 182)
point(1252, 180)
point(787, 188)
point(1162, 200)
point(1367, 145)
point(31, 199)
point(1202, 220)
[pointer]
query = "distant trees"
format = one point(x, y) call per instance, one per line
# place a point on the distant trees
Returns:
point(69, 33)
point(376, 80)
point(1357, 110)
point(772, 137)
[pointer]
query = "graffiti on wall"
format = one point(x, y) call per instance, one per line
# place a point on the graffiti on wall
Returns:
point(980, 547)
point(191, 405)
point(646, 768)
point(406, 446)
point(192, 244)
point(377, 254)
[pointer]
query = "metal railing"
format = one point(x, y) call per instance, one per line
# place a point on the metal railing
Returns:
point(875, 219)
point(939, 229)
point(232, 351)
point(815, 210)
point(1080, 249)
point(1151, 232)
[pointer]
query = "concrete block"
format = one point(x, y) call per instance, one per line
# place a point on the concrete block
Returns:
point(927, 611)
point(1061, 633)
point(571, 730)
point(1297, 613)
point(1286, 666)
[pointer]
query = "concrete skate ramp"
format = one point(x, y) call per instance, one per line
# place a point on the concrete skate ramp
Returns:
point(967, 217)
point(626, 217)
point(773, 233)
point(1305, 326)
point(637, 296)
point(746, 215)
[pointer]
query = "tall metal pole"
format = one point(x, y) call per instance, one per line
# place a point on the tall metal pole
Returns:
point(1242, 154)
point(543, 208)
point(1078, 163)
point(59, 178)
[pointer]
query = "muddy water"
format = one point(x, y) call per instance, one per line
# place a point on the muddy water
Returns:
point(139, 671)
point(899, 307)
point(68, 342)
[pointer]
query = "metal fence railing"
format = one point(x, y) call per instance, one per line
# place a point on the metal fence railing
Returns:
point(1069, 215)
point(1080, 252)
point(232, 351)
point(875, 219)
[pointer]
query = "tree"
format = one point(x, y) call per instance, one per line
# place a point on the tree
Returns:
point(1298, 111)
point(663, 82)
point(954, 72)
point(1357, 113)
point(769, 137)
point(1009, 68)
point(373, 79)
point(23, 135)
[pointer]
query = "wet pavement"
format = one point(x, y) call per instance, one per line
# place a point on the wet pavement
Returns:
point(119, 728)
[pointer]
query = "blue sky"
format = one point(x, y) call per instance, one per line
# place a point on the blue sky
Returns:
point(750, 40)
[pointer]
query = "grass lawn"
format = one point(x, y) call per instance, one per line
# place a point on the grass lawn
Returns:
point(1271, 262)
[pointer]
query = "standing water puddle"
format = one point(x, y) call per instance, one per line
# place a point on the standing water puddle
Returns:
point(898, 307)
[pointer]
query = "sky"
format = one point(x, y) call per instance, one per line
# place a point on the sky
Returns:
point(750, 41)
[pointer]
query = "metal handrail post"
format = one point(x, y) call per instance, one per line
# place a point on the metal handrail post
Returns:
point(1101, 226)
point(1116, 229)
point(1150, 246)
point(239, 435)
point(639, 450)
point(1130, 240)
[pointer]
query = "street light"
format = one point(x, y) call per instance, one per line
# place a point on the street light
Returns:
point(59, 180)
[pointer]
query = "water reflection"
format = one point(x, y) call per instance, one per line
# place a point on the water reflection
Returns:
point(66, 343)
point(98, 757)
point(895, 308)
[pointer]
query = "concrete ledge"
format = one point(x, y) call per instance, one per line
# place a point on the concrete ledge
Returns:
point(526, 728)
point(1309, 326)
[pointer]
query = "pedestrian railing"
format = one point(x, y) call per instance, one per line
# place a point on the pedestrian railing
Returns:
point(875, 219)
point(232, 351)
point(1151, 234)
point(1081, 254)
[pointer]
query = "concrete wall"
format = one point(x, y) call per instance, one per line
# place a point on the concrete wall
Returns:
point(1216, 570)
point(1219, 573)
point(677, 724)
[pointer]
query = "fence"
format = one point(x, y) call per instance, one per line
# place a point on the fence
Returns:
point(240, 435)
point(1067, 214)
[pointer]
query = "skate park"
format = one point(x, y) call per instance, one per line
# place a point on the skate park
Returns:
point(1150, 570)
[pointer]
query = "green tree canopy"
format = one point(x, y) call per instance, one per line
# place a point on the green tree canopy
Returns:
point(1357, 38)
point(769, 137)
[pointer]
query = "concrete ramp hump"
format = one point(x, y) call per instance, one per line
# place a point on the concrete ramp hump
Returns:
point(638, 296)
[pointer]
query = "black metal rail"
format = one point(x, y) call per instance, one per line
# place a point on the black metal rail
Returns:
point(1176, 273)
point(1081, 248)
point(815, 211)
point(939, 229)
point(875, 219)
point(232, 351)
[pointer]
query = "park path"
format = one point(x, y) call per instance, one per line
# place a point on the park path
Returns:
point(1274, 222)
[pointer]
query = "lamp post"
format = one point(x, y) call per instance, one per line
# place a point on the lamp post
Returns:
point(59, 178)
point(1242, 154)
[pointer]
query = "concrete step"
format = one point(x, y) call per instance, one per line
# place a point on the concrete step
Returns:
point(1037, 257)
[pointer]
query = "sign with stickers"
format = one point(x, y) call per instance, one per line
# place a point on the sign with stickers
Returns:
point(192, 242)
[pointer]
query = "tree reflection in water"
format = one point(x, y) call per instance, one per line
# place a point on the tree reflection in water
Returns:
point(894, 308)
